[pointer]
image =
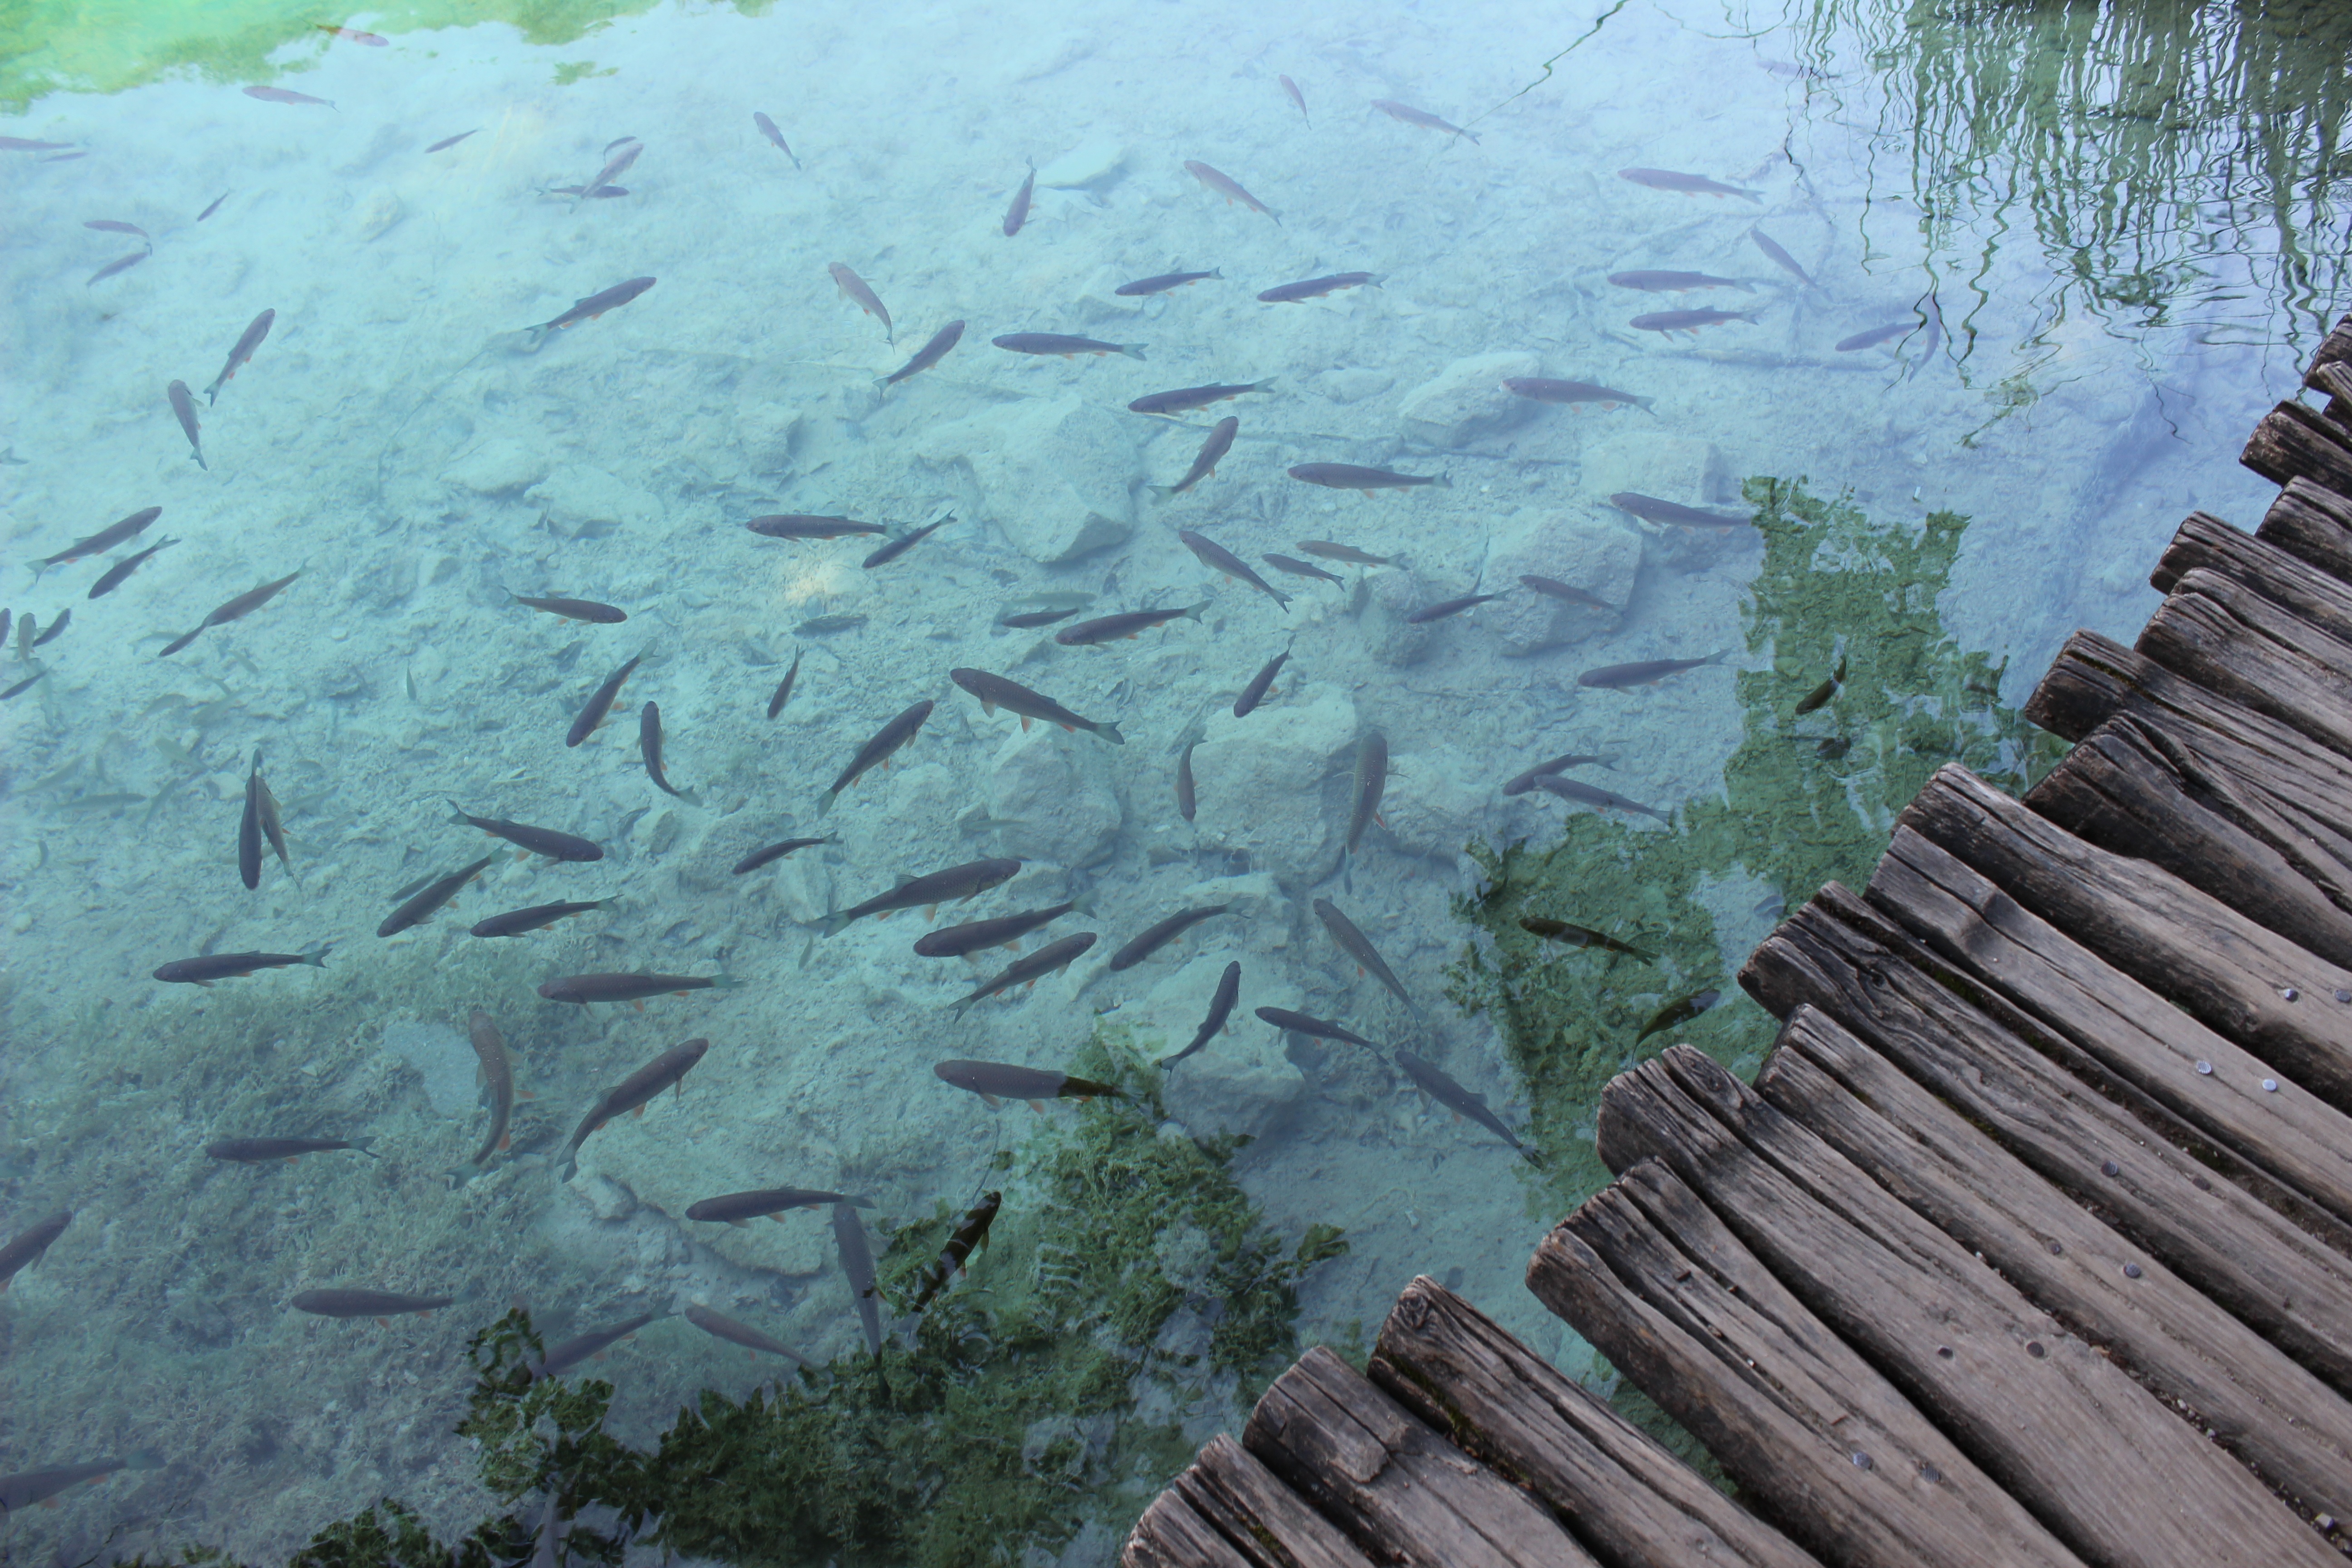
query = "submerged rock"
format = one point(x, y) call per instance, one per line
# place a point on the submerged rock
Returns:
point(1049, 797)
point(499, 466)
point(1465, 401)
point(1589, 551)
point(1097, 158)
point(1241, 1081)
point(581, 502)
point(1056, 477)
point(1259, 783)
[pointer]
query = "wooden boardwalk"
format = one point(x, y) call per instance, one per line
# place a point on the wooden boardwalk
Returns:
point(2031, 1243)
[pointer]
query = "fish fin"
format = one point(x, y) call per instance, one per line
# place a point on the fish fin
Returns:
point(990, 1101)
point(506, 1141)
point(639, 1113)
point(384, 1323)
point(740, 1223)
point(1024, 723)
point(1039, 1106)
point(640, 1005)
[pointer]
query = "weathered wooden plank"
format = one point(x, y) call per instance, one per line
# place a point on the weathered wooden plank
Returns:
point(1818, 1440)
point(2290, 443)
point(2111, 1471)
point(2312, 524)
point(2134, 1032)
point(2274, 997)
point(1264, 1521)
point(2337, 346)
point(2332, 377)
point(2232, 640)
point(1171, 1535)
point(1623, 1494)
point(2269, 1256)
point(1402, 1492)
point(2286, 1425)
point(2205, 542)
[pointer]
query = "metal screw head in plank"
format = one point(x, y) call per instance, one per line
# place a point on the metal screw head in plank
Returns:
point(2109, 1168)
point(2131, 1271)
point(1861, 1460)
point(2033, 1348)
point(2344, 995)
point(1929, 1473)
point(2290, 994)
point(2056, 1250)
point(2270, 1086)
point(2205, 1069)
point(1944, 1350)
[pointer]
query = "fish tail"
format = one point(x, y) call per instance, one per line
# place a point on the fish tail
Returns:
point(1646, 404)
point(1109, 732)
point(691, 796)
point(827, 803)
point(198, 453)
point(570, 1166)
point(361, 1145)
point(317, 956)
point(143, 1459)
point(725, 982)
point(1217, 273)
point(832, 925)
point(461, 818)
point(1164, 492)
point(1132, 351)
point(1193, 614)
point(1443, 481)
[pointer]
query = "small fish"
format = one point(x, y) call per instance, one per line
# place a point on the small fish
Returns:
point(634, 1092)
point(719, 1326)
point(545, 841)
point(1227, 187)
point(1164, 932)
point(573, 1352)
point(223, 965)
point(996, 1083)
point(422, 906)
point(243, 604)
point(582, 193)
point(1213, 451)
point(184, 406)
point(20, 688)
point(116, 225)
point(599, 703)
point(67, 157)
point(1217, 558)
point(1029, 620)
point(353, 35)
point(247, 342)
point(774, 852)
point(768, 128)
point(1299, 1023)
point(216, 201)
point(590, 308)
point(1526, 780)
point(1057, 343)
point(285, 95)
point(1539, 389)
point(1439, 1086)
point(19, 144)
point(1587, 794)
point(1650, 508)
point(1446, 608)
point(1189, 398)
point(1018, 213)
point(930, 355)
point(516, 923)
point(1666, 323)
point(1681, 1012)
point(104, 540)
point(1834, 748)
point(1581, 936)
point(582, 989)
point(353, 1303)
point(1187, 796)
point(1298, 568)
point(587, 610)
point(31, 1487)
point(1686, 184)
point(1260, 684)
point(120, 264)
point(259, 1151)
point(801, 525)
point(28, 1244)
point(1409, 115)
point(258, 822)
point(970, 1234)
point(854, 287)
point(877, 752)
point(1676, 282)
point(444, 145)
point(1820, 695)
point(55, 629)
point(1357, 946)
point(1162, 283)
point(1780, 259)
point(616, 164)
point(904, 543)
point(1347, 553)
point(1553, 588)
point(766, 1203)
point(1028, 971)
point(1290, 88)
point(1315, 287)
point(1872, 338)
point(495, 1072)
point(784, 692)
point(1370, 782)
point(1644, 672)
point(649, 746)
point(995, 691)
point(825, 625)
point(950, 886)
point(114, 576)
point(979, 936)
point(1349, 477)
point(1220, 1008)
point(1127, 623)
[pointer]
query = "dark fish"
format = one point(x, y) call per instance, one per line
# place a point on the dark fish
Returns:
point(857, 1267)
point(1587, 794)
point(1189, 398)
point(184, 406)
point(545, 841)
point(1217, 558)
point(1018, 213)
point(246, 342)
point(249, 826)
point(21, 144)
point(978, 936)
point(65, 157)
point(1454, 1097)
point(366, 1303)
point(573, 609)
point(1299, 1023)
point(1187, 797)
point(1553, 588)
point(1834, 748)
point(649, 745)
point(639, 1089)
point(114, 576)
point(1650, 508)
point(494, 1071)
point(1220, 1007)
point(854, 287)
point(1298, 568)
point(441, 146)
point(256, 1150)
point(1581, 936)
point(767, 1202)
point(1066, 346)
point(1687, 185)
point(1260, 684)
point(825, 625)
point(1029, 620)
point(119, 264)
point(589, 308)
point(1666, 323)
point(1347, 553)
point(23, 1490)
point(243, 604)
point(104, 540)
point(930, 355)
point(905, 542)
point(719, 1326)
point(1219, 442)
point(28, 1244)
point(784, 687)
point(1541, 389)
point(1315, 287)
point(1876, 336)
point(422, 906)
point(616, 164)
point(224, 195)
point(1029, 970)
point(953, 885)
point(1357, 946)
point(223, 965)
point(768, 128)
point(580, 193)
point(515, 922)
point(599, 703)
point(1349, 477)
point(55, 629)
point(1820, 695)
point(20, 688)
point(801, 525)
point(1644, 672)
point(878, 750)
point(1227, 187)
point(1420, 117)
point(1676, 282)
point(116, 225)
point(970, 1234)
point(581, 1347)
point(996, 1083)
point(775, 852)
point(1161, 283)
point(994, 691)
point(1681, 1012)
point(285, 95)
point(582, 989)
point(1445, 607)
point(1526, 780)
point(1290, 88)
point(1372, 781)
point(1780, 259)
point(1127, 623)
point(1166, 931)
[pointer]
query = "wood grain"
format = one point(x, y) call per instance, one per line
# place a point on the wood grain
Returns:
point(1267, 1523)
point(2204, 543)
point(2232, 641)
point(2313, 524)
point(2292, 442)
point(1172, 1535)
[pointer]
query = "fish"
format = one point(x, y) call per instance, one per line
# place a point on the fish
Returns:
point(285, 95)
point(616, 164)
point(1018, 213)
point(1526, 780)
point(1315, 287)
point(1445, 607)
point(590, 308)
point(1581, 936)
point(1686, 184)
point(587, 610)
point(1184, 398)
point(216, 201)
point(494, 1071)
point(1058, 343)
point(183, 407)
point(582, 989)
point(67, 157)
point(581, 193)
point(995, 691)
point(1409, 115)
point(634, 1092)
point(649, 746)
point(104, 540)
point(422, 906)
point(1441, 1088)
point(1834, 748)
point(978, 936)
point(258, 822)
point(996, 1083)
point(953, 885)
point(1164, 932)
point(1780, 259)
point(801, 525)
point(1820, 695)
point(1029, 970)
point(930, 355)
point(1567, 592)
point(1349, 477)
point(1226, 186)
point(1187, 797)
point(824, 626)
point(878, 750)
point(1347, 553)
point(1298, 568)
point(55, 629)
point(21, 687)
point(853, 288)
point(1212, 450)
point(1588, 794)
point(857, 1267)
point(259, 1151)
point(215, 966)
point(784, 692)
point(1290, 88)
point(1541, 389)
point(1162, 283)
point(119, 265)
point(768, 128)
point(1681, 1012)
point(1876, 336)
point(1370, 782)
point(116, 225)
point(1666, 323)
point(538, 917)
point(775, 852)
point(719, 1326)
point(247, 342)
point(1029, 620)
point(580, 1347)
point(114, 576)
point(352, 35)
point(904, 543)
point(1127, 623)
point(30, 1487)
point(545, 841)
point(1357, 946)
point(447, 142)
point(1644, 672)
point(972, 1233)
point(1299, 1023)
point(1676, 282)
point(28, 1244)
point(356, 1303)
point(1217, 558)
point(20, 144)
point(599, 703)
point(1220, 1008)
point(1260, 684)
point(1650, 508)
point(766, 1203)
